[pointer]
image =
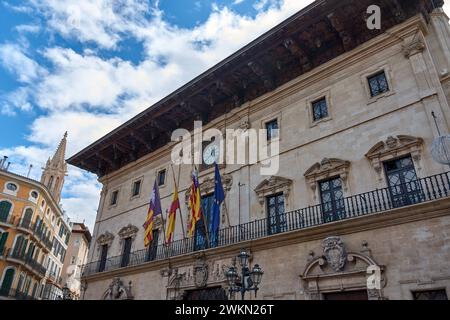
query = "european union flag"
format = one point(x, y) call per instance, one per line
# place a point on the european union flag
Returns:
point(219, 197)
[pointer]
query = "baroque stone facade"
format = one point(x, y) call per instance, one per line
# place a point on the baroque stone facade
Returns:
point(310, 255)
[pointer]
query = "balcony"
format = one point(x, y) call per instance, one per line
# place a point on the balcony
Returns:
point(28, 262)
point(369, 203)
point(17, 295)
point(37, 232)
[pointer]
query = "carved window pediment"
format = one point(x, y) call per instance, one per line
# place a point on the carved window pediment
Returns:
point(105, 238)
point(272, 186)
point(394, 147)
point(326, 169)
point(129, 231)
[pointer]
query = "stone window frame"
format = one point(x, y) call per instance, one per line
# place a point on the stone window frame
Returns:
point(386, 68)
point(273, 186)
point(129, 231)
point(395, 148)
point(326, 169)
point(106, 238)
point(274, 116)
point(111, 205)
point(158, 170)
point(10, 192)
point(141, 179)
point(30, 198)
point(324, 94)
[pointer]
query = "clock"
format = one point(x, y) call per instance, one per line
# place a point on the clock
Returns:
point(211, 154)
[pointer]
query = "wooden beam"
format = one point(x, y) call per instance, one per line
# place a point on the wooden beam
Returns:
point(262, 74)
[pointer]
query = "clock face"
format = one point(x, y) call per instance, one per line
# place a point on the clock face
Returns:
point(211, 154)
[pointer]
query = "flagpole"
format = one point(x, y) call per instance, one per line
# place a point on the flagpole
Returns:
point(179, 208)
point(226, 208)
point(162, 218)
point(205, 223)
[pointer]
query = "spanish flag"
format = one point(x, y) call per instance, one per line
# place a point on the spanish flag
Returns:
point(154, 210)
point(194, 204)
point(172, 215)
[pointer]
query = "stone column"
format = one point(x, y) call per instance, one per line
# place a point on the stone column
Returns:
point(440, 23)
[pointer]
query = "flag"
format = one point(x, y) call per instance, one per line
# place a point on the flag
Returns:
point(194, 204)
point(154, 209)
point(172, 215)
point(219, 197)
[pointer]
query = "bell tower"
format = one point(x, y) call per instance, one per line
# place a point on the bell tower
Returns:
point(55, 170)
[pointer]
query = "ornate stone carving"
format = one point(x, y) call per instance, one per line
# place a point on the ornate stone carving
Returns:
point(273, 185)
point(339, 270)
point(394, 147)
point(105, 238)
point(201, 273)
point(244, 123)
point(328, 168)
point(414, 47)
point(128, 231)
point(117, 291)
point(334, 253)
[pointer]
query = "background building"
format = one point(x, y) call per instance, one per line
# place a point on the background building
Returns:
point(357, 109)
point(76, 257)
point(34, 231)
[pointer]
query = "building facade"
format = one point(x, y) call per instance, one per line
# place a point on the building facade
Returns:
point(77, 254)
point(34, 232)
point(357, 111)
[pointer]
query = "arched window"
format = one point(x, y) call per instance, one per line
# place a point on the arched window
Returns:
point(5, 209)
point(7, 281)
point(50, 183)
point(28, 215)
point(20, 246)
point(56, 184)
point(11, 186)
point(3, 237)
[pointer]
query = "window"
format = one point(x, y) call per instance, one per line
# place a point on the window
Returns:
point(153, 247)
point(48, 213)
point(126, 252)
point(332, 197)
point(43, 204)
point(73, 260)
point(430, 295)
point(34, 194)
point(272, 129)
point(320, 109)
point(162, 177)
point(200, 234)
point(378, 84)
point(136, 188)
point(8, 279)
point(103, 257)
point(114, 197)
point(5, 208)
point(11, 187)
point(276, 216)
point(3, 238)
point(404, 188)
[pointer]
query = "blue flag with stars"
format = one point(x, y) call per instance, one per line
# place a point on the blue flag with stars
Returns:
point(219, 197)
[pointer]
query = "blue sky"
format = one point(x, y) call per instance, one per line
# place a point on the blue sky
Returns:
point(86, 66)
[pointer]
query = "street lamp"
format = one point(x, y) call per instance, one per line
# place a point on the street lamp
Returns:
point(248, 280)
point(67, 294)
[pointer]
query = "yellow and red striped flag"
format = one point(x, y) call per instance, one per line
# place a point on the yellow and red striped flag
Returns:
point(172, 216)
point(154, 209)
point(194, 205)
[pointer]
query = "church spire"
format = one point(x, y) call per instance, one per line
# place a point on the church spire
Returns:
point(55, 170)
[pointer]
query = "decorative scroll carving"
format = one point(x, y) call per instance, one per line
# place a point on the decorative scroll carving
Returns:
point(117, 291)
point(339, 270)
point(334, 252)
point(273, 185)
point(328, 168)
point(414, 47)
point(106, 238)
point(393, 148)
point(128, 231)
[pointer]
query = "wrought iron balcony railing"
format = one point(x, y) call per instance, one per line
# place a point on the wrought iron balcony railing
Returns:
point(16, 294)
point(28, 262)
point(376, 201)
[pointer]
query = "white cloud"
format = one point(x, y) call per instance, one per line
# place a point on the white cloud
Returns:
point(17, 62)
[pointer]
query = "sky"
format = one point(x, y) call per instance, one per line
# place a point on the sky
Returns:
point(87, 66)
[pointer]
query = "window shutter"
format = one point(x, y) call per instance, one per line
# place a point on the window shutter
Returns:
point(3, 238)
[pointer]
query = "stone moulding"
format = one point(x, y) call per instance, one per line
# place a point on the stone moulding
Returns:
point(328, 168)
point(272, 186)
point(394, 147)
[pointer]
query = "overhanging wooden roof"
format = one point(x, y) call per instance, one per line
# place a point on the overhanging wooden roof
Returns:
point(318, 33)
